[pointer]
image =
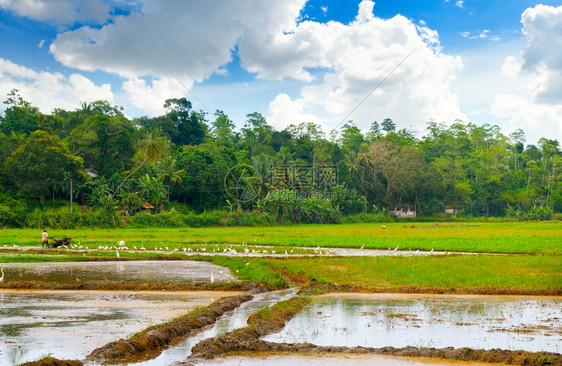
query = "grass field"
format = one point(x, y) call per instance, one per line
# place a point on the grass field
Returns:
point(537, 265)
point(528, 238)
point(459, 272)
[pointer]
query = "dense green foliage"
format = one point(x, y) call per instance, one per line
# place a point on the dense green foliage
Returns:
point(183, 158)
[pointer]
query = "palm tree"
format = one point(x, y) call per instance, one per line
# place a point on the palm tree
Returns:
point(153, 190)
point(151, 148)
point(167, 173)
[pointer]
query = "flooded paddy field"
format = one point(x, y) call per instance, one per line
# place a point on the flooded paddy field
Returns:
point(229, 322)
point(380, 320)
point(115, 271)
point(69, 325)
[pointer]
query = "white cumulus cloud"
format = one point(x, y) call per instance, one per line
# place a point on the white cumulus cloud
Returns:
point(358, 56)
point(537, 106)
point(60, 12)
point(47, 90)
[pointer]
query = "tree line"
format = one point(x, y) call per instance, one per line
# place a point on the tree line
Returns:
point(99, 159)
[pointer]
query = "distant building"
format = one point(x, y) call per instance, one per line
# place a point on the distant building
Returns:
point(92, 173)
point(450, 210)
point(403, 210)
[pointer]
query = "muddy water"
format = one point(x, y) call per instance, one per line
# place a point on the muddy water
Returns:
point(512, 323)
point(132, 271)
point(69, 325)
point(331, 360)
point(227, 323)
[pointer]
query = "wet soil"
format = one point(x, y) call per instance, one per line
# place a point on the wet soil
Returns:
point(449, 353)
point(227, 323)
point(330, 359)
point(141, 286)
point(157, 337)
point(264, 322)
point(316, 288)
point(50, 361)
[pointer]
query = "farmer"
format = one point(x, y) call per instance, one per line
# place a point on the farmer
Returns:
point(44, 238)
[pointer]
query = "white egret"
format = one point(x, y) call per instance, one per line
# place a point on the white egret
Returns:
point(2, 278)
point(212, 277)
point(117, 252)
point(395, 249)
point(122, 242)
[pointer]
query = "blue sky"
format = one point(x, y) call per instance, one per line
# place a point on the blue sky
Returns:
point(497, 62)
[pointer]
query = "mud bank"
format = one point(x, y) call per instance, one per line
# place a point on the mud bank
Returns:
point(449, 353)
point(50, 361)
point(264, 322)
point(316, 288)
point(132, 286)
point(155, 338)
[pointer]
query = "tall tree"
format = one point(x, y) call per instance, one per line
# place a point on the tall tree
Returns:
point(190, 125)
point(20, 116)
point(42, 163)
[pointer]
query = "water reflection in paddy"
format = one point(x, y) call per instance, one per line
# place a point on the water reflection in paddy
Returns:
point(69, 325)
point(132, 271)
point(532, 324)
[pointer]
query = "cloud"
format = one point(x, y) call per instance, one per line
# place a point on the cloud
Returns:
point(460, 3)
point(47, 90)
point(60, 12)
point(537, 105)
point(338, 64)
point(284, 111)
point(150, 98)
point(357, 57)
point(543, 27)
point(533, 118)
point(193, 39)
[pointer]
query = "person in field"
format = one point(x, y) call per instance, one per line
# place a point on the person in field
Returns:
point(44, 238)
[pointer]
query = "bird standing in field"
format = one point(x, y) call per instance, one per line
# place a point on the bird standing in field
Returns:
point(2, 278)
point(117, 253)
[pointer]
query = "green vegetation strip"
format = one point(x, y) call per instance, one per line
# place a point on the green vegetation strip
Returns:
point(461, 274)
point(529, 237)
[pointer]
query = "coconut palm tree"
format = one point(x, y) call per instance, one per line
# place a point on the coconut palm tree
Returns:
point(151, 148)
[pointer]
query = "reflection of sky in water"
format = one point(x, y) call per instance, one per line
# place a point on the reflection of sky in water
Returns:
point(440, 321)
point(229, 322)
point(70, 325)
point(134, 271)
